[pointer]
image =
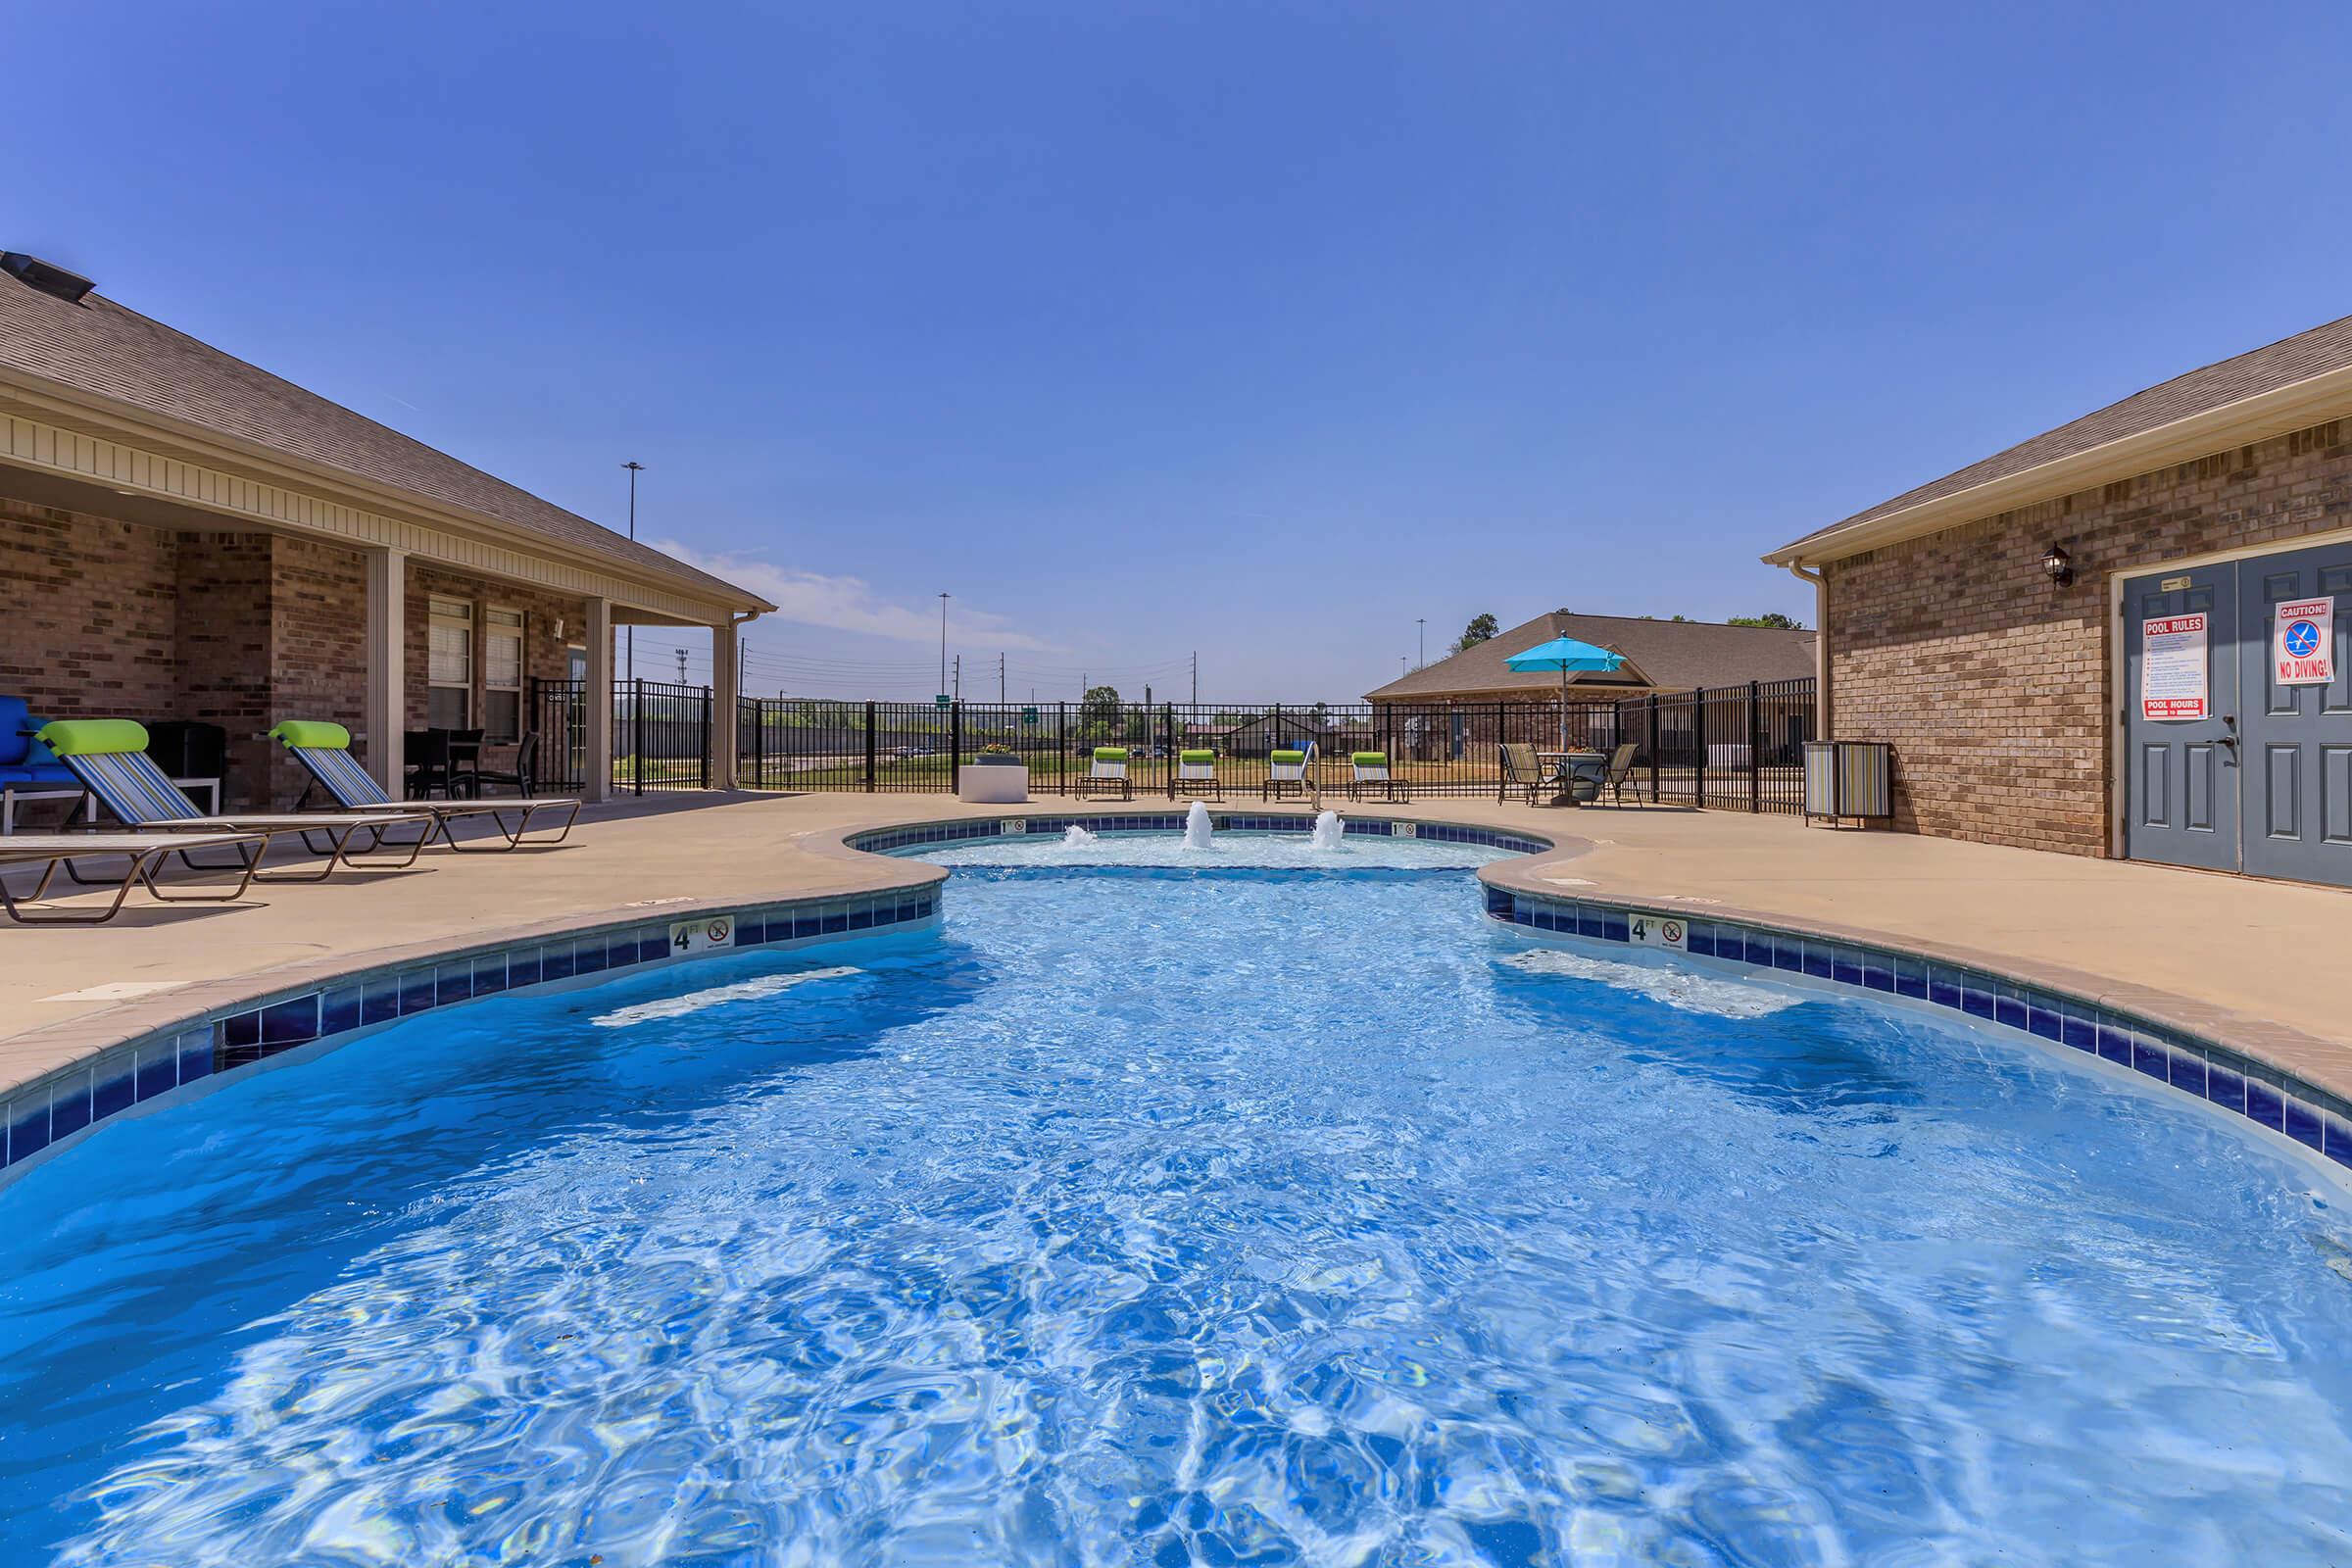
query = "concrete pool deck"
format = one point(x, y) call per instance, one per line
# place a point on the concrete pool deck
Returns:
point(2256, 965)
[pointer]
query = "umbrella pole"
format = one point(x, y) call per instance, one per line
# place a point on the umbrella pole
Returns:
point(1563, 708)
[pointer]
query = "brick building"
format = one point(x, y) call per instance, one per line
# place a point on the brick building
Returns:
point(184, 536)
point(2072, 643)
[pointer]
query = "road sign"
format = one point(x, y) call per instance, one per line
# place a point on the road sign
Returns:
point(941, 700)
point(1028, 715)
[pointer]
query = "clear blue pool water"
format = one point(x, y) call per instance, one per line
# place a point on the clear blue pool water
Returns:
point(1150, 1217)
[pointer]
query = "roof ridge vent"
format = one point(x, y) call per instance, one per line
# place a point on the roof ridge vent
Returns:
point(47, 276)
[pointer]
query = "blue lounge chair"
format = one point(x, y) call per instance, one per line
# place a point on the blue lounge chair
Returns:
point(109, 758)
point(324, 752)
point(28, 770)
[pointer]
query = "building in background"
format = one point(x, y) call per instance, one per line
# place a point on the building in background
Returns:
point(2087, 642)
point(186, 537)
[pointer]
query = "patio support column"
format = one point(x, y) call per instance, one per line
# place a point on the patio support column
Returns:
point(596, 720)
point(386, 711)
point(725, 682)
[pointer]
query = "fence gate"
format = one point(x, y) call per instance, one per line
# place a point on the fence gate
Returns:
point(660, 735)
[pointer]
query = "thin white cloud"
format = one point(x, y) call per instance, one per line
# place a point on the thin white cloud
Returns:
point(848, 604)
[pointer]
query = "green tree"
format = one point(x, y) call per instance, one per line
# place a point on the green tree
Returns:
point(1100, 709)
point(1481, 628)
point(1772, 619)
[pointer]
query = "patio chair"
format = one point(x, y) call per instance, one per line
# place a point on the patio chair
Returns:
point(323, 750)
point(1368, 772)
point(109, 759)
point(28, 770)
point(1523, 771)
point(1196, 774)
point(1108, 770)
point(1286, 774)
point(1621, 769)
point(144, 855)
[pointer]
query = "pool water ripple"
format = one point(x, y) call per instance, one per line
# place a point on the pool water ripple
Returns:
point(1167, 1217)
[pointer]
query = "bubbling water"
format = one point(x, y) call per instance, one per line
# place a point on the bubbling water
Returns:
point(1075, 837)
point(1197, 829)
point(1329, 831)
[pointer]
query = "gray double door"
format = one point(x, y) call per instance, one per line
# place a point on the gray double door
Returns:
point(2263, 783)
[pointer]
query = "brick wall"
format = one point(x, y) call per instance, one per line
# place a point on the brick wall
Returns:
point(88, 612)
point(318, 647)
point(1994, 684)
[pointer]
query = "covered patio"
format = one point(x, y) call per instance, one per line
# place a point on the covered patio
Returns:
point(186, 538)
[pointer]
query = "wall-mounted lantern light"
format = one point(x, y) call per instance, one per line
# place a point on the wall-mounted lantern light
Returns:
point(2059, 564)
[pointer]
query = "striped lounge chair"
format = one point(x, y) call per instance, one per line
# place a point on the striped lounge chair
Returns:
point(1108, 771)
point(1286, 774)
point(324, 752)
point(1196, 774)
point(143, 856)
point(1368, 772)
point(108, 758)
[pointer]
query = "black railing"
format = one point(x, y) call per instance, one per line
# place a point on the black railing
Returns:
point(660, 735)
point(1735, 748)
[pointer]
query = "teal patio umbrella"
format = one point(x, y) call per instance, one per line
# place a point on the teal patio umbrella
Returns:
point(1565, 654)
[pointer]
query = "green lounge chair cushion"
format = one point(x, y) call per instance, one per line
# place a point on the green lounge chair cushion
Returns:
point(312, 734)
point(1198, 757)
point(93, 737)
point(1371, 758)
point(1110, 754)
point(1292, 758)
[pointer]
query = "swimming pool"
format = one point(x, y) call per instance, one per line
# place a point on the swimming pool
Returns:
point(1147, 1215)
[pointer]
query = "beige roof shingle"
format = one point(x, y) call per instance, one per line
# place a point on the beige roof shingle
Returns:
point(1675, 656)
point(101, 347)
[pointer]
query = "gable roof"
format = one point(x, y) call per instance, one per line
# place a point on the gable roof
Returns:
point(2287, 385)
point(99, 347)
point(1667, 655)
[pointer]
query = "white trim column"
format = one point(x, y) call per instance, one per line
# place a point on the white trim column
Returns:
point(596, 763)
point(726, 682)
point(385, 713)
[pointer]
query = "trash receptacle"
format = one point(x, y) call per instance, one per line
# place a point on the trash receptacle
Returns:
point(1850, 780)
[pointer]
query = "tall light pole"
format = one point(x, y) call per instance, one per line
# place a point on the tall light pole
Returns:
point(1423, 625)
point(943, 644)
point(635, 469)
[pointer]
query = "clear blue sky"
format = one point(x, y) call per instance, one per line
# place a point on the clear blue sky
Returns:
point(1263, 329)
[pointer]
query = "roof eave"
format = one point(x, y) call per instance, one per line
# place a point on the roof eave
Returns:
point(2266, 414)
point(129, 422)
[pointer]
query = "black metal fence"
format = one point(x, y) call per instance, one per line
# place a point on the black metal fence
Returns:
point(1735, 748)
point(660, 735)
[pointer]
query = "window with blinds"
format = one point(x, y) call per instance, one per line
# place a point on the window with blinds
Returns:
point(449, 664)
point(502, 675)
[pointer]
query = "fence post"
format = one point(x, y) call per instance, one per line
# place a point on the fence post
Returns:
point(1167, 736)
point(956, 748)
point(1698, 738)
point(1755, 754)
point(710, 733)
point(869, 746)
point(1654, 748)
point(1061, 747)
point(637, 730)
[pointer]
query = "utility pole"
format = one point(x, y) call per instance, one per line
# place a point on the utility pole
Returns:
point(1423, 625)
point(681, 666)
point(957, 690)
point(635, 469)
point(1000, 676)
point(1196, 677)
point(943, 643)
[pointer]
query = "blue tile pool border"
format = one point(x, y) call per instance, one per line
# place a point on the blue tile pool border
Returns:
point(921, 835)
point(37, 1117)
point(2187, 1063)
